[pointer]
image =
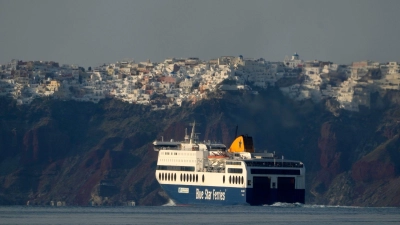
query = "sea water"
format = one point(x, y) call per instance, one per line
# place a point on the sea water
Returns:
point(170, 214)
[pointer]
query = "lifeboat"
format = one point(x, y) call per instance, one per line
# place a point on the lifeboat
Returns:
point(219, 155)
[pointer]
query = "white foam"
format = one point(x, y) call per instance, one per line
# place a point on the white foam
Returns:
point(329, 206)
point(284, 204)
point(170, 203)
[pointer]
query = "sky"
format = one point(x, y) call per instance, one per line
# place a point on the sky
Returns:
point(93, 32)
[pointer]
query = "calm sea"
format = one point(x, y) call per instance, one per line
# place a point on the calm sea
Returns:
point(243, 215)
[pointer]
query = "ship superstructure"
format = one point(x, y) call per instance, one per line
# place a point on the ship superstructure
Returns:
point(193, 172)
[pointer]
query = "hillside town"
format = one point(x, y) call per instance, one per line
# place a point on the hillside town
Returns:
point(168, 84)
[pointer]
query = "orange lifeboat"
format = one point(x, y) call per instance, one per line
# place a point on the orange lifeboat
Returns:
point(219, 155)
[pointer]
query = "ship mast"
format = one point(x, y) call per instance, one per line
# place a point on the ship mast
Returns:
point(192, 135)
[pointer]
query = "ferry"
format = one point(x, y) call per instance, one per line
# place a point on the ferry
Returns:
point(193, 172)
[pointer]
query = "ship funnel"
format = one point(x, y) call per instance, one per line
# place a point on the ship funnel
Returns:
point(242, 143)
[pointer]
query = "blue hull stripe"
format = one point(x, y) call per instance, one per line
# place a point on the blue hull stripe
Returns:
point(186, 194)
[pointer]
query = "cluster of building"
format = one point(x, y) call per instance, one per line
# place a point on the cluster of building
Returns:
point(351, 85)
point(170, 83)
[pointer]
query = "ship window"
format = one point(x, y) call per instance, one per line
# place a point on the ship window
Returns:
point(159, 176)
point(175, 177)
point(223, 179)
point(236, 180)
point(175, 168)
point(197, 178)
point(230, 179)
point(184, 177)
point(190, 177)
point(162, 176)
point(233, 170)
point(169, 176)
point(187, 177)
point(272, 164)
point(233, 163)
point(276, 171)
point(181, 177)
point(203, 178)
point(242, 181)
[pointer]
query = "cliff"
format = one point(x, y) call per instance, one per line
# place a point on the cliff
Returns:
point(101, 154)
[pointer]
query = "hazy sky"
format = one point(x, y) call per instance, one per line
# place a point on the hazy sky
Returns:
point(91, 32)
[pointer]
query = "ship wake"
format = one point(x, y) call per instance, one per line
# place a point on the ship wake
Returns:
point(292, 205)
point(170, 203)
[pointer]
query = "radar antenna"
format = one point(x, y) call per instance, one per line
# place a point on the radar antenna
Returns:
point(193, 135)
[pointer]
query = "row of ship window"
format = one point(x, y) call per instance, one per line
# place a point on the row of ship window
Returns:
point(177, 160)
point(234, 179)
point(191, 168)
point(274, 164)
point(184, 177)
point(176, 153)
point(195, 178)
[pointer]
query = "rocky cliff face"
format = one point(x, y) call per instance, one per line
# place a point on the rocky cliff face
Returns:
point(101, 154)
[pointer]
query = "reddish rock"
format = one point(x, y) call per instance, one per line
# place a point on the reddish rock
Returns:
point(375, 170)
point(44, 143)
point(330, 156)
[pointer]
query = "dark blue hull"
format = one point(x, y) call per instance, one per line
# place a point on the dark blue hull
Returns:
point(186, 194)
